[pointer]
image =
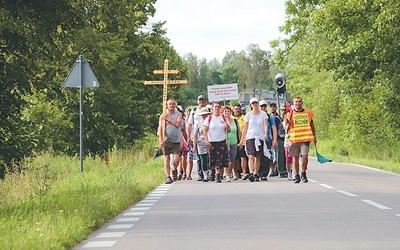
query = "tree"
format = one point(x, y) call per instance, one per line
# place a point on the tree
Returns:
point(253, 68)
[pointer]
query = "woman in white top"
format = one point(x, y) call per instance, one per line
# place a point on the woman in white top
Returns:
point(215, 130)
point(255, 132)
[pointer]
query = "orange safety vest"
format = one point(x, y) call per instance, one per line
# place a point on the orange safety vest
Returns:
point(300, 126)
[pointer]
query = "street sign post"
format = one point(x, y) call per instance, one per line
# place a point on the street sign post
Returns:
point(165, 84)
point(80, 76)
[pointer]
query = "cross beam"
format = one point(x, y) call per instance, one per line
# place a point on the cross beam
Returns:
point(165, 84)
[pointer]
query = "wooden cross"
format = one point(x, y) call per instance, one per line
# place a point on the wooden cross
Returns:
point(165, 83)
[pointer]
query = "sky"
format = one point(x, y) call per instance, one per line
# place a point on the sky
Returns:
point(210, 28)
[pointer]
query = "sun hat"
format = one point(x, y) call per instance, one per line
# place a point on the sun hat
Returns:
point(263, 102)
point(204, 111)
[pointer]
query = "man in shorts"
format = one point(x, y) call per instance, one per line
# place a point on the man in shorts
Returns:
point(172, 139)
point(300, 127)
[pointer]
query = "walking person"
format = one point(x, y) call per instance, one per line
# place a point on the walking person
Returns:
point(255, 132)
point(215, 134)
point(233, 140)
point(285, 109)
point(193, 119)
point(199, 143)
point(172, 139)
point(241, 156)
point(301, 130)
point(185, 158)
point(271, 143)
point(280, 159)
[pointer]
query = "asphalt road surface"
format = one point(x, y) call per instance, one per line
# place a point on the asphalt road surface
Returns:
point(341, 207)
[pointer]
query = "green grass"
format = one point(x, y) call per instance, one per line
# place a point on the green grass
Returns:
point(376, 157)
point(51, 205)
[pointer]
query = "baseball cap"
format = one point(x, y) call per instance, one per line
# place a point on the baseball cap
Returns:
point(253, 100)
point(201, 97)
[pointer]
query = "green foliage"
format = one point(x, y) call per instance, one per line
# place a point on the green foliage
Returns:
point(49, 204)
point(342, 58)
point(40, 41)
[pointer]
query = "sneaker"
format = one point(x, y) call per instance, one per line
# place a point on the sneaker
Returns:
point(218, 178)
point(296, 178)
point(201, 176)
point(245, 177)
point(184, 177)
point(273, 173)
point(251, 178)
point(256, 177)
point(179, 177)
point(168, 180)
point(304, 177)
point(289, 176)
point(235, 178)
point(189, 178)
point(174, 174)
point(228, 179)
point(205, 180)
point(212, 178)
point(264, 178)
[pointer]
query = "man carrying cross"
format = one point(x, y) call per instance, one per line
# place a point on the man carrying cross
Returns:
point(171, 142)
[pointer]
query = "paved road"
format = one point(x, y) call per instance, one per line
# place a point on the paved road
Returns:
point(342, 207)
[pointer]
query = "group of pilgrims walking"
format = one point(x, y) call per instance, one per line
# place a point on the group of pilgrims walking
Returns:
point(233, 143)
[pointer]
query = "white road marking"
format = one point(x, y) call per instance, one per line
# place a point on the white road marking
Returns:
point(312, 180)
point(159, 192)
point(156, 195)
point(99, 244)
point(120, 226)
point(144, 204)
point(398, 215)
point(375, 204)
point(326, 186)
point(134, 213)
point(148, 200)
point(347, 193)
point(139, 208)
point(127, 219)
point(111, 235)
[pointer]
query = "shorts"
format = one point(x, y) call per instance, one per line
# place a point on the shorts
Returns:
point(241, 153)
point(295, 149)
point(190, 153)
point(289, 158)
point(219, 157)
point(251, 148)
point(232, 153)
point(171, 148)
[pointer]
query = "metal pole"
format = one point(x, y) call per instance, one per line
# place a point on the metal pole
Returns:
point(80, 115)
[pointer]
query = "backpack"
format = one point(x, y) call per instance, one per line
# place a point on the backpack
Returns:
point(281, 129)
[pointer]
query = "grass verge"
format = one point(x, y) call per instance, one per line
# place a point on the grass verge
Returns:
point(49, 204)
point(384, 159)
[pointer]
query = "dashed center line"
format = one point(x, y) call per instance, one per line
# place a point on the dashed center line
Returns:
point(373, 203)
point(326, 186)
point(347, 193)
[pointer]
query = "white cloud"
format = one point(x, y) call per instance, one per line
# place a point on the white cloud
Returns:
point(210, 28)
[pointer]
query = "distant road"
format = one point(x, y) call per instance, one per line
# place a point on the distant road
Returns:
point(341, 207)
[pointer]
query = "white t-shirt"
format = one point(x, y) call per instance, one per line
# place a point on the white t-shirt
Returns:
point(216, 128)
point(256, 125)
point(194, 119)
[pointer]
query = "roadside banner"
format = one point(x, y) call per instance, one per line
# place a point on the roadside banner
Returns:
point(223, 92)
